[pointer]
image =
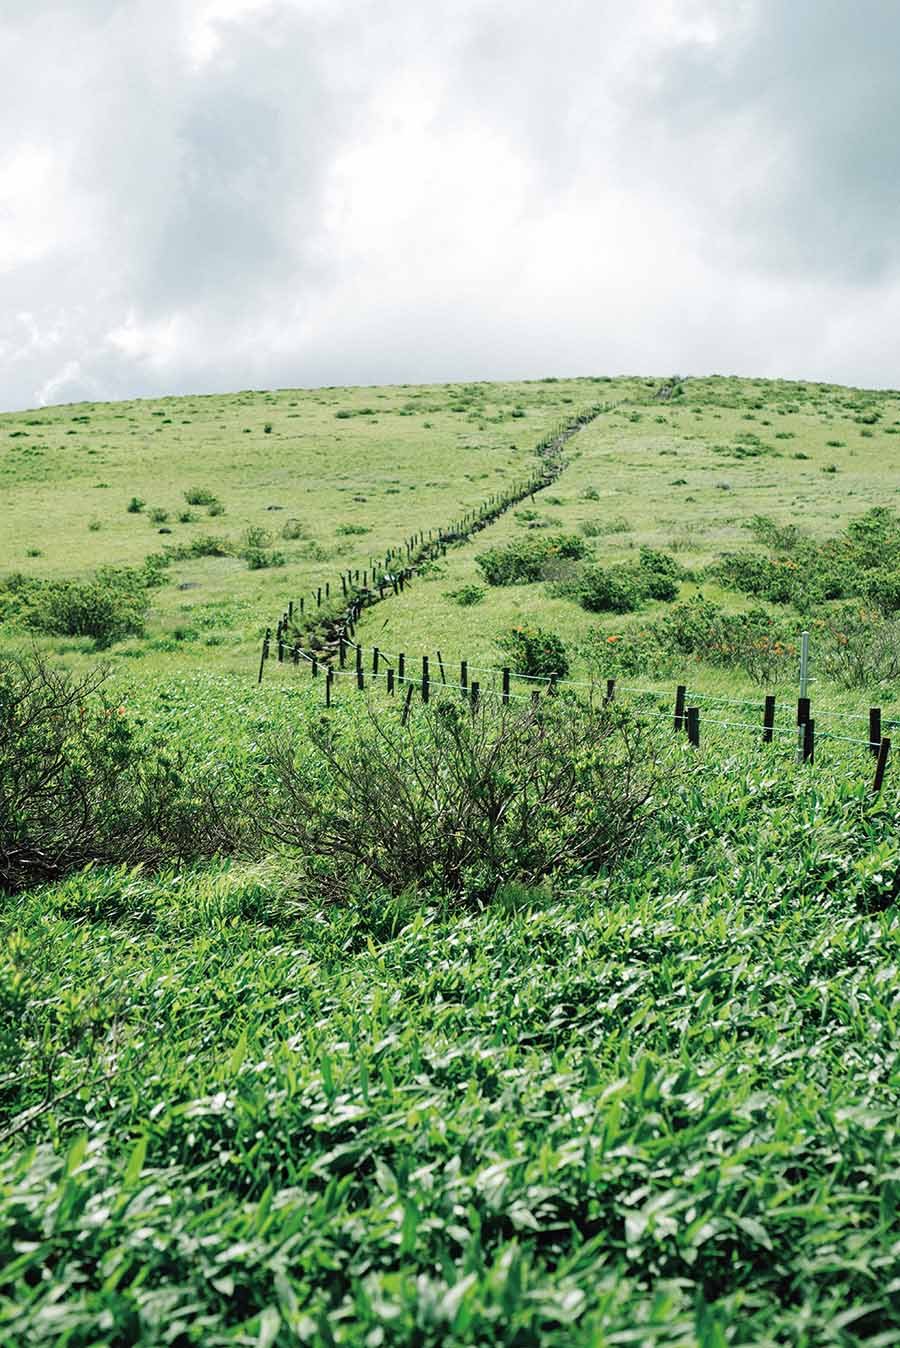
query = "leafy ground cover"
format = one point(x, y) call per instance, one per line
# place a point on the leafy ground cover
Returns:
point(634, 1085)
point(657, 1105)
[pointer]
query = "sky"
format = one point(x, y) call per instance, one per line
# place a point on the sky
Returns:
point(208, 195)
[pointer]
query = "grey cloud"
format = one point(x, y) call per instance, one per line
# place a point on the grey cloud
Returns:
point(351, 192)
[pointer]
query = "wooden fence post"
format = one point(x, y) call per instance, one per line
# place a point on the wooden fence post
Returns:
point(401, 667)
point(464, 677)
point(769, 719)
point(693, 726)
point(374, 661)
point(329, 679)
point(875, 730)
point(610, 690)
point(390, 680)
point(342, 650)
point(407, 704)
point(425, 680)
point(680, 695)
point(441, 667)
point(884, 749)
point(474, 691)
point(505, 694)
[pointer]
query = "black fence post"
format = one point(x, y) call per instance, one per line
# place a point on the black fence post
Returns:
point(425, 679)
point(693, 726)
point(884, 749)
point(505, 694)
point(875, 730)
point(769, 719)
point(464, 677)
point(680, 695)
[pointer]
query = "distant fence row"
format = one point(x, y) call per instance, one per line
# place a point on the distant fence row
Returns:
point(690, 712)
point(319, 631)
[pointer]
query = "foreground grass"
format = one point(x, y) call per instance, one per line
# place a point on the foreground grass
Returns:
point(657, 1107)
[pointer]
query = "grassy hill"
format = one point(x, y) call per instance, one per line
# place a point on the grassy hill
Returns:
point(533, 1026)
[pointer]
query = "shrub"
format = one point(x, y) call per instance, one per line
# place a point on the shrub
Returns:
point(608, 590)
point(135, 505)
point(292, 529)
point(882, 590)
point(658, 574)
point(107, 608)
point(267, 428)
point(463, 804)
point(258, 559)
point(861, 647)
point(529, 559)
point(157, 515)
point(256, 537)
point(187, 517)
point(350, 529)
point(215, 508)
point(753, 641)
point(200, 496)
point(778, 537)
point(76, 786)
point(535, 651)
point(467, 595)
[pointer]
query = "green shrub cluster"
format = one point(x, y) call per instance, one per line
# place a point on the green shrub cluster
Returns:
point(862, 562)
point(79, 784)
point(113, 604)
point(534, 651)
point(623, 588)
point(529, 559)
point(763, 647)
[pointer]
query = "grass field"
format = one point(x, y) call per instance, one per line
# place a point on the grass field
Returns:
point(627, 1073)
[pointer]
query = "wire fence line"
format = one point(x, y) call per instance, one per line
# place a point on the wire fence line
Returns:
point(383, 675)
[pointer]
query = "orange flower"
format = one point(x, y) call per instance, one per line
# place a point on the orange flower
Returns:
point(121, 711)
point(612, 638)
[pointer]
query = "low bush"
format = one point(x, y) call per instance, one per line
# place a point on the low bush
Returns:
point(467, 595)
point(157, 515)
point(350, 529)
point(658, 574)
point(77, 785)
point(614, 589)
point(293, 529)
point(258, 559)
point(463, 804)
point(861, 647)
point(200, 496)
point(135, 505)
point(529, 559)
point(110, 606)
point(535, 651)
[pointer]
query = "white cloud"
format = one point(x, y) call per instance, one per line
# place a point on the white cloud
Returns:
point(208, 195)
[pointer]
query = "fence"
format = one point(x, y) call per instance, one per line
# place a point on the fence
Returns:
point(320, 625)
point(399, 567)
point(687, 710)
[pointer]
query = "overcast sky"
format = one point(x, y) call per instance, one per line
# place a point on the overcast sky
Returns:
point(199, 195)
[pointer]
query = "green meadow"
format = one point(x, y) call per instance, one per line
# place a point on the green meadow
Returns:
point(398, 1024)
